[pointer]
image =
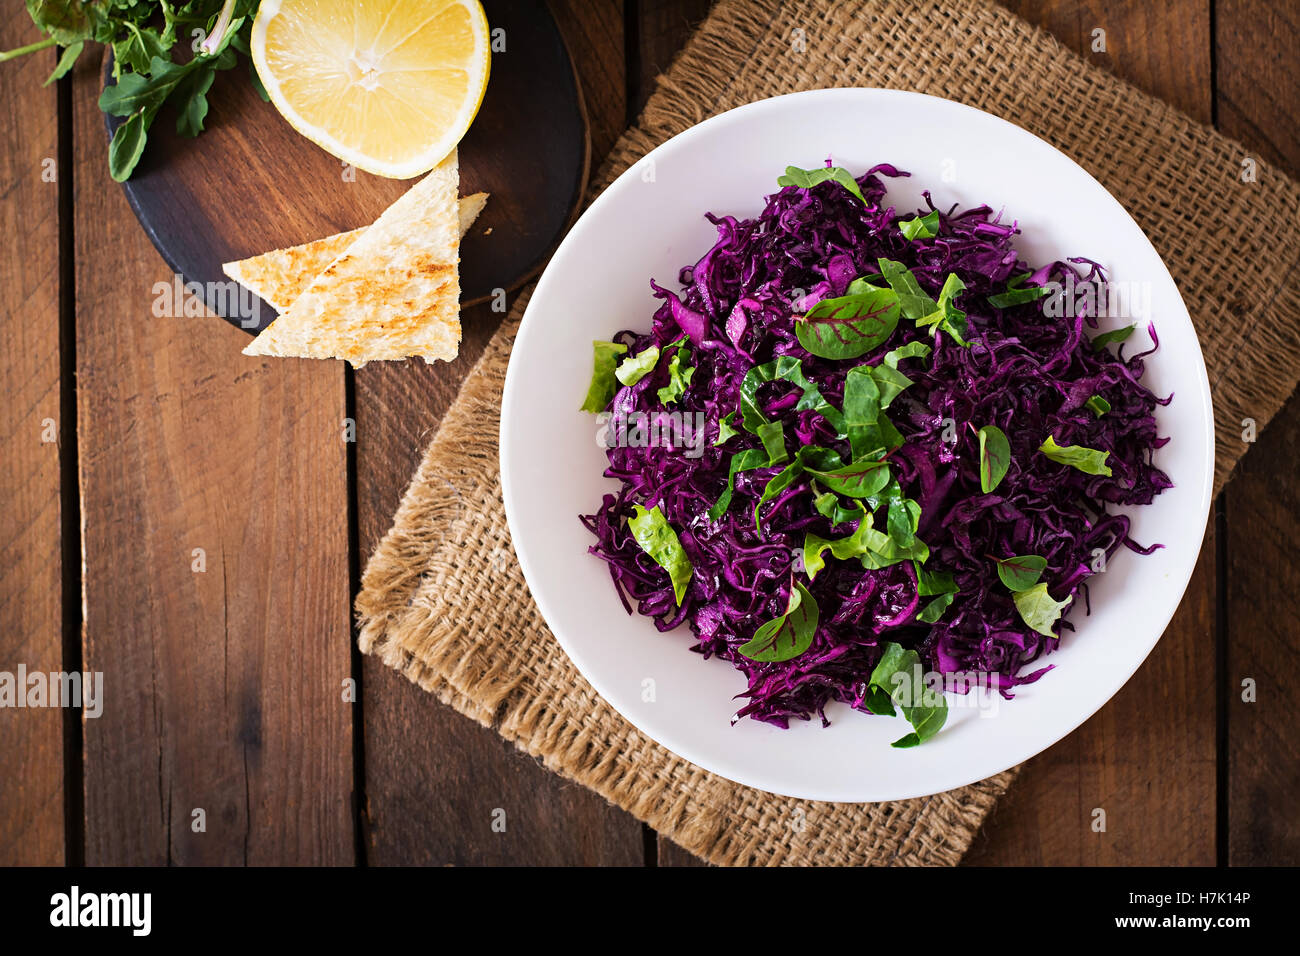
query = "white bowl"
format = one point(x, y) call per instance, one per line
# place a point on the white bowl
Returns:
point(650, 223)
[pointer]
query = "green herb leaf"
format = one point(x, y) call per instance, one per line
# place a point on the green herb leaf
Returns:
point(193, 91)
point(1021, 572)
point(726, 428)
point(772, 435)
point(134, 91)
point(885, 552)
point(1090, 461)
point(873, 548)
point(899, 674)
point(1098, 405)
point(746, 460)
point(127, 146)
point(150, 68)
point(1114, 335)
point(934, 582)
point(935, 607)
point(636, 367)
point(858, 480)
point(656, 537)
point(814, 545)
point(790, 369)
point(854, 545)
point(808, 178)
point(828, 506)
point(778, 483)
point(1039, 609)
point(917, 349)
point(848, 326)
point(604, 383)
point(813, 458)
point(912, 300)
point(867, 390)
point(861, 413)
point(921, 227)
point(137, 48)
point(995, 457)
point(679, 376)
point(879, 438)
point(1018, 296)
point(946, 317)
point(66, 61)
point(879, 702)
point(890, 381)
point(65, 20)
point(865, 284)
point(786, 637)
point(904, 517)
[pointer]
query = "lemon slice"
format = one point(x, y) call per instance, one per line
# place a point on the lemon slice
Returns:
point(389, 86)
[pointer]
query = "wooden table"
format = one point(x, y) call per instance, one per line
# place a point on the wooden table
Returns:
point(192, 523)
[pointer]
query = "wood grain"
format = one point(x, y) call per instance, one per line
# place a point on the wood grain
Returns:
point(223, 682)
point(1258, 92)
point(662, 29)
point(31, 623)
point(1148, 757)
point(1161, 47)
point(1258, 98)
point(434, 778)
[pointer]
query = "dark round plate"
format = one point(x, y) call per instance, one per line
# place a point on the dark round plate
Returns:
point(249, 183)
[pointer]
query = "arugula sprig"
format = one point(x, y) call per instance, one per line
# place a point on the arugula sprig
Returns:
point(153, 63)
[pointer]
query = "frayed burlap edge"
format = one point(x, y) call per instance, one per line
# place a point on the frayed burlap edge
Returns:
point(442, 599)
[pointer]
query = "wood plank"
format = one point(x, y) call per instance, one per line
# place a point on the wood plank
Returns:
point(1263, 551)
point(1258, 75)
point(432, 777)
point(1161, 726)
point(1258, 98)
point(223, 686)
point(1162, 48)
point(662, 29)
point(31, 623)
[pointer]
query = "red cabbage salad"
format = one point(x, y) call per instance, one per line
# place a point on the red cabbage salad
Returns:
point(859, 447)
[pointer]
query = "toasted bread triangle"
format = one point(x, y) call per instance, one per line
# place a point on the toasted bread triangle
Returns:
point(394, 293)
point(280, 276)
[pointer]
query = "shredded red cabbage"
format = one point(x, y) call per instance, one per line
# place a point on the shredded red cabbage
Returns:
point(1022, 371)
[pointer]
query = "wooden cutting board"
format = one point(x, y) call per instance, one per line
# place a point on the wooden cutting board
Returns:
point(249, 183)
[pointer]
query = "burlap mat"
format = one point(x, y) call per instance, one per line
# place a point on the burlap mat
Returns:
point(442, 598)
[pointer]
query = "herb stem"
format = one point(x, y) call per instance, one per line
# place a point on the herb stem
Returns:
point(214, 39)
point(30, 48)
